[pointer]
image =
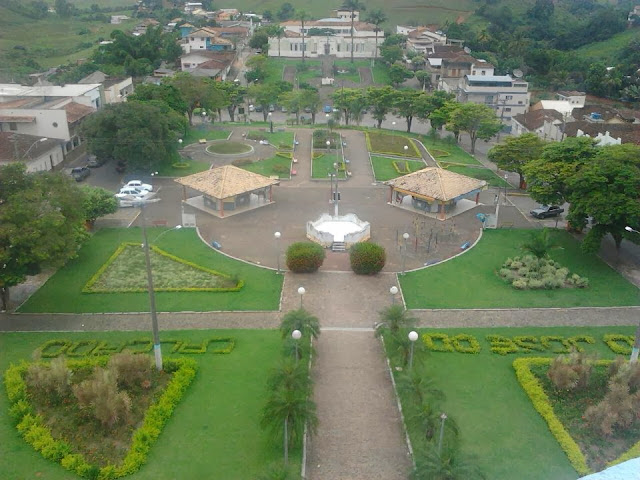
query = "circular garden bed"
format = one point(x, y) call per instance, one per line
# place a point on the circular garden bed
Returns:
point(226, 147)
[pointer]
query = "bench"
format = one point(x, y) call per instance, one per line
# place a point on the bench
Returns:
point(295, 160)
point(159, 223)
point(202, 140)
point(465, 245)
point(294, 172)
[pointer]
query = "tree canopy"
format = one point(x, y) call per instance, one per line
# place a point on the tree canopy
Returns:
point(41, 223)
point(515, 152)
point(478, 121)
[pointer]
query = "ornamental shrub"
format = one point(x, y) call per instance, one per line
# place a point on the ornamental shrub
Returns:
point(304, 257)
point(519, 284)
point(240, 162)
point(131, 370)
point(52, 380)
point(367, 258)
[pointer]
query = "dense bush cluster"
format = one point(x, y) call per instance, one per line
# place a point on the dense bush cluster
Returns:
point(320, 138)
point(304, 257)
point(529, 272)
point(571, 372)
point(21, 384)
point(367, 258)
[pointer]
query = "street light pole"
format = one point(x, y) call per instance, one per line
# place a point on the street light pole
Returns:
point(157, 351)
point(406, 149)
point(443, 417)
point(277, 236)
point(336, 195)
point(405, 237)
point(506, 184)
point(271, 122)
point(393, 291)
point(636, 344)
point(413, 336)
point(301, 292)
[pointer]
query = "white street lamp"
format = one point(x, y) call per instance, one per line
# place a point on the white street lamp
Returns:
point(296, 335)
point(443, 417)
point(271, 122)
point(328, 145)
point(277, 236)
point(406, 149)
point(393, 291)
point(301, 292)
point(180, 143)
point(413, 336)
point(405, 237)
point(26, 154)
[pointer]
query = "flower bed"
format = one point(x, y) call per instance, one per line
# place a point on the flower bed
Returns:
point(391, 145)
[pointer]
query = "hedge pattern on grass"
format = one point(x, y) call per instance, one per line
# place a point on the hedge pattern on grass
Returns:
point(367, 258)
point(411, 152)
point(401, 167)
point(304, 257)
point(613, 342)
point(95, 348)
point(89, 286)
point(541, 403)
point(34, 430)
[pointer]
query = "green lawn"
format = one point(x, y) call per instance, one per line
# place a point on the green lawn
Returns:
point(470, 281)
point(229, 148)
point(195, 133)
point(190, 167)
point(446, 152)
point(271, 166)
point(280, 140)
point(383, 167)
point(213, 431)
point(62, 293)
point(481, 173)
point(379, 142)
point(610, 48)
point(275, 69)
point(323, 165)
point(497, 421)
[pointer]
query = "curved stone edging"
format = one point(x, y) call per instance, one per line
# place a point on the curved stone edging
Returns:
point(229, 155)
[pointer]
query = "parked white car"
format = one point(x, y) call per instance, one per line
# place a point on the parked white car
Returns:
point(132, 191)
point(139, 185)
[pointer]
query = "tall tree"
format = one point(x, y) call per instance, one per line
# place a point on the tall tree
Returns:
point(235, 94)
point(264, 95)
point(478, 121)
point(353, 6)
point(607, 189)
point(409, 103)
point(376, 17)
point(381, 100)
point(398, 73)
point(97, 202)
point(515, 152)
point(164, 92)
point(278, 32)
point(137, 133)
point(302, 16)
point(41, 223)
point(350, 102)
point(198, 92)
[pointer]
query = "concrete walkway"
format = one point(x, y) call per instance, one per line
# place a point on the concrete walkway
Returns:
point(360, 434)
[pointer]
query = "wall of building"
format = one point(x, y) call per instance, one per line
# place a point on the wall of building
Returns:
point(48, 123)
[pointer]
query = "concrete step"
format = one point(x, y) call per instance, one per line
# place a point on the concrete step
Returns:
point(338, 247)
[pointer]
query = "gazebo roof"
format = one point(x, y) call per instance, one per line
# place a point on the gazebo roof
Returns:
point(437, 183)
point(226, 181)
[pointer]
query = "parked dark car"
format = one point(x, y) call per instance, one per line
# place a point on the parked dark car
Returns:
point(80, 173)
point(546, 211)
point(94, 162)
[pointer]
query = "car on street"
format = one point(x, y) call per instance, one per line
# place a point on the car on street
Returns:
point(272, 108)
point(129, 197)
point(132, 191)
point(326, 109)
point(251, 108)
point(80, 173)
point(546, 211)
point(139, 185)
point(95, 162)
point(258, 108)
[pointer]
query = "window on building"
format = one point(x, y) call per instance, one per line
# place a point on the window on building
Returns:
point(509, 97)
point(338, 47)
point(508, 109)
point(488, 99)
point(483, 72)
point(13, 126)
point(519, 102)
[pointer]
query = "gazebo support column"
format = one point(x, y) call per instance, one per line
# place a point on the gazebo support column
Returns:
point(442, 214)
point(270, 193)
point(477, 198)
point(390, 194)
point(221, 207)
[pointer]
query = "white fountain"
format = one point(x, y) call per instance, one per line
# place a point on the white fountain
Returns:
point(338, 231)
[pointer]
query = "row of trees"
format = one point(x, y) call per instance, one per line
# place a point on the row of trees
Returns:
point(601, 183)
point(439, 108)
point(42, 221)
point(436, 444)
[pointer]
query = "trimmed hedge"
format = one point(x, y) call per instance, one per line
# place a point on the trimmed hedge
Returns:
point(304, 257)
point(534, 390)
point(367, 258)
point(89, 286)
point(35, 431)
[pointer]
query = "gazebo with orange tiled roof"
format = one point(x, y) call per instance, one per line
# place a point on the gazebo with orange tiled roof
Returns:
point(229, 187)
point(434, 189)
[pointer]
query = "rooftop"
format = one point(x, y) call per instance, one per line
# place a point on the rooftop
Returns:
point(70, 90)
point(437, 183)
point(226, 181)
point(14, 146)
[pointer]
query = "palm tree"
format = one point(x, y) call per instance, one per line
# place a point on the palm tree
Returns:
point(301, 320)
point(447, 465)
point(427, 419)
point(352, 6)
point(376, 17)
point(286, 413)
point(279, 32)
point(418, 386)
point(302, 16)
point(289, 375)
point(540, 243)
point(394, 317)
